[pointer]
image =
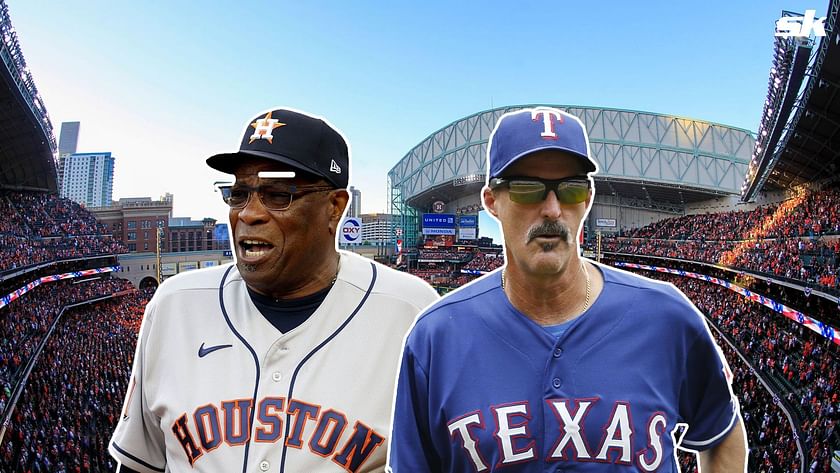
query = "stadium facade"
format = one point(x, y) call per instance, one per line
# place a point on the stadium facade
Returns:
point(652, 166)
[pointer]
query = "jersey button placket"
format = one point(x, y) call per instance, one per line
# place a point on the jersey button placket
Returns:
point(557, 382)
point(264, 465)
point(558, 352)
point(277, 376)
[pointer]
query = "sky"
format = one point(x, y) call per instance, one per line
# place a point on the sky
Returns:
point(165, 84)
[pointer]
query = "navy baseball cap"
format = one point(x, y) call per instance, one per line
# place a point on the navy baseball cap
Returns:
point(299, 140)
point(523, 132)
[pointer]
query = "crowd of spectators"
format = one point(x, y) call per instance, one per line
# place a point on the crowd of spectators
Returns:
point(810, 215)
point(810, 261)
point(796, 239)
point(803, 365)
point(445, 271)
point(486, 262)
point(64, 419)
point(442, 255)
point(39, 227)
point(25, 322)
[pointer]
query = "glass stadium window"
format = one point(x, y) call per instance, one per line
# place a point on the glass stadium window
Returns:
point(131, 224)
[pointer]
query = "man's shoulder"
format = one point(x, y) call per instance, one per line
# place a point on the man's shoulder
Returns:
point(649, 296)
point(631, 282)
point(195, 280)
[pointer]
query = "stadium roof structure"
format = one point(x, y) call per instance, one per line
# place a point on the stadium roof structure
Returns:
point(799, 135)
point(27, 142)
point(652, 158)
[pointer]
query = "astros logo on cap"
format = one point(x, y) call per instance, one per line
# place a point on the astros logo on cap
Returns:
point(263, 128)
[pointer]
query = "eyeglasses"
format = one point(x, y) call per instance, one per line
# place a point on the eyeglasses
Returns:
point(272, 196)
point(531, 190)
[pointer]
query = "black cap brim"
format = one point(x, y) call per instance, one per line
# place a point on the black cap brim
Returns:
point(228, 162)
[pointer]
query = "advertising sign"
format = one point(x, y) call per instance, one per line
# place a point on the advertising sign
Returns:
point(466, 233)
point(187, 266)
point(468, 221)
point(439, 220)
point(168, 269)
point(351, 231)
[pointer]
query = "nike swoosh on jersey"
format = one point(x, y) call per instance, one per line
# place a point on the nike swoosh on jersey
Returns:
point(202, 352)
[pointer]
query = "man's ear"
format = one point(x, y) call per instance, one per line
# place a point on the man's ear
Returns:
point(338, 202)
point(489, 198)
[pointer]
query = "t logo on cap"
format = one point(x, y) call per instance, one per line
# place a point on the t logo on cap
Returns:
point(516, 135)
point(548, 123)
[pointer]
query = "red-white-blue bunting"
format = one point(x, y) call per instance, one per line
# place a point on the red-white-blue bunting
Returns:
point(821, 328)
point(8, 298)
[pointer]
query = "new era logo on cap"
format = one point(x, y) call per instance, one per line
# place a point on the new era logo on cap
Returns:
point(298, 140)
point(520, 133)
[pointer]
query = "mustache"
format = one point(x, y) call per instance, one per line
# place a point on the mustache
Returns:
point(549, 228)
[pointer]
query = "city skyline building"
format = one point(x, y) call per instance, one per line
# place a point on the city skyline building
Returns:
point(355, 202)
point(67, 142)
point(89, 179)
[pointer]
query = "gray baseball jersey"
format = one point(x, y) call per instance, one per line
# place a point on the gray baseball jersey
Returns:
point(215, 387)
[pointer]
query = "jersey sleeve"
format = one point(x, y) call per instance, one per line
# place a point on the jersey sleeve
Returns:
point(138, 443)
point(411, 449)
point(706, 400)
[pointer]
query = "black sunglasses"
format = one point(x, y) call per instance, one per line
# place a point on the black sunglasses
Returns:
point(531, 190)
point(272, 196)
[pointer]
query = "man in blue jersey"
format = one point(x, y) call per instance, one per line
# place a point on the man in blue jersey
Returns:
point(554, 363)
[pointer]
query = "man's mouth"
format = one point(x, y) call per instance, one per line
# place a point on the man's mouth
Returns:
point(254, 248)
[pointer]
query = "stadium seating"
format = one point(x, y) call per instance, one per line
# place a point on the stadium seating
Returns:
point(71, 403)
point(27, 320)
point(795, 239)
point(40, 227)
point(801, 365)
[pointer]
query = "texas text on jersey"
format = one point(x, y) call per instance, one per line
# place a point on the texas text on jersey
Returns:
point(543, 403)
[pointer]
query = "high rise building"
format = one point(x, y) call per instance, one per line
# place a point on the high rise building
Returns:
point(355, 203)
point(377, 228)
point(68, 140)
point(89, 179)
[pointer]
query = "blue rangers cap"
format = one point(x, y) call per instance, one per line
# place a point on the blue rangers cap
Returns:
point(523, 132)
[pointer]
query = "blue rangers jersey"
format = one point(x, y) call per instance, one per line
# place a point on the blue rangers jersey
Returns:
point(482, 387)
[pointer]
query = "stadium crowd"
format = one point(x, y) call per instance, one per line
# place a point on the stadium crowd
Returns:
point(803, 363)
point(25, 322)
point(795, 239)
point(811, 215)
point(811, 261)
point(483, 261)
point(442, 255)
point(65, 417)
point(40, 227)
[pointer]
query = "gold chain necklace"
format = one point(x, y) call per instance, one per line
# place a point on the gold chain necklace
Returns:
point(588, 286)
